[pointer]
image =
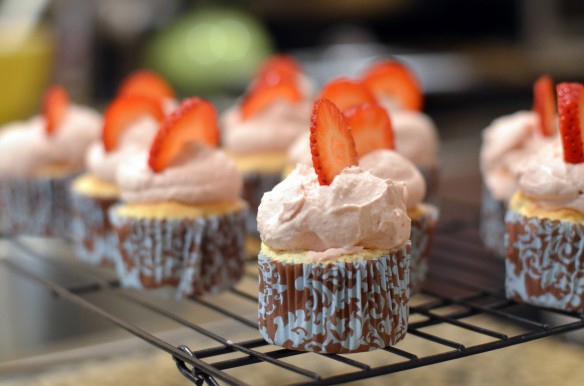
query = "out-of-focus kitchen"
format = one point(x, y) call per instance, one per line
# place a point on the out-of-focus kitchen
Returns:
point(65, 321)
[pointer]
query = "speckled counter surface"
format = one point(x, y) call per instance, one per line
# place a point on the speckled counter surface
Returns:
point(548, 361)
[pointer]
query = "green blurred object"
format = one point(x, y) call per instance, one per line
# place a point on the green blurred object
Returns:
point(210, 50)
point(24, 72)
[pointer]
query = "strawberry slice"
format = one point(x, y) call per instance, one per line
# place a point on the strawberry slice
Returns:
point(346, 93)
point(194, 120)
point(277, 68)
point(391, 78)
point(55, 104)
point(544, 104)
point(370, 127)
point(331, 142)
point(264, 95)
point(146, 83)
point(571, 113)
point(122, 112)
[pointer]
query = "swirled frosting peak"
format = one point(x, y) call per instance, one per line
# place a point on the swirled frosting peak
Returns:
point(388, 164)
point(25, 147)
point(199, 175)
point(551, 182)
point(356, 210)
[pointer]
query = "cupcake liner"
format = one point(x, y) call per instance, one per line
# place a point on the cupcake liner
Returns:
point(35, 207)
point(336, 307)
point(492, 223)
point(198, 256)
point(254, 187)
point(421, 237)
point(545, 262)
point(94, 239)
point(431, 178)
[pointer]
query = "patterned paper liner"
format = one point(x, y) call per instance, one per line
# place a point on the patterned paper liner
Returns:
point(35, 207)
point(431, 177)
point(492, 223)
point(94, 239)
point(254, 186)
point(545, 262)
point(198, 256)
point(421, 237)
point(337, 307)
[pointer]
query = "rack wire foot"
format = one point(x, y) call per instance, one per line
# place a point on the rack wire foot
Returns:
point(195, 375)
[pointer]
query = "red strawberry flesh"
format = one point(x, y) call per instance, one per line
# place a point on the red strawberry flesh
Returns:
point(346, 93)
point(331, 143)
point(391, 78)
point(194, 120)
point(544, 104)
point(146, 83)
point(124, 111)
point(55, 104)
point(571, 120)
point(370, 127)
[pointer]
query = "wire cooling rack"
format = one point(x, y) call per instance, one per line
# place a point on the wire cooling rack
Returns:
point(464, 292)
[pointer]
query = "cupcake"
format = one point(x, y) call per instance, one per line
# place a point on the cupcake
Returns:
point(38, 159)
point(334, 264)
point(131, 122)
point(258, 131)
point(181, 222)
point(371, 129)
point(506, 143)
point(545, 221)
point(416, 137)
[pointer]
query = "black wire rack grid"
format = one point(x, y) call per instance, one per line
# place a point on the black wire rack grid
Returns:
point(464, 278)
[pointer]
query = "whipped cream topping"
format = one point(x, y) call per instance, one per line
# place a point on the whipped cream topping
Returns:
point(416, 137)
point(551, 182)
point(25, 147)
point(356, 210)
point(137, 137)
point(388, 164)
point(199, 175)
point(507, 141)
point(273, 129)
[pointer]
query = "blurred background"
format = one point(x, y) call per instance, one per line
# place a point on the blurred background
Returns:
point(476, 60)
point(464, 52)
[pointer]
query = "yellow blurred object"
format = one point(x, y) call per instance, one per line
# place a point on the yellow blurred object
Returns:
point(24, 72)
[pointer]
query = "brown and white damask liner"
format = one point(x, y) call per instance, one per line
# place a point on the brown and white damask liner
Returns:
point(35, 207)
point(254, 187)
point(421, 235)
point(197, 256)
point(545, 262)
point(94, 239)
point(492, 223)
point(336, 307)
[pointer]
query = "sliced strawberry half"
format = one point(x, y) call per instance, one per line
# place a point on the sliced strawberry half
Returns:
point(55, 104)
point(544, 104)
point(391, 78)
point(194, 120)
point(571, 113)
point(124, 111)
point(370, 127)
point(346, 93)
point(146, 83)
point(331, 143)
point(277, 68)
point(264, 95)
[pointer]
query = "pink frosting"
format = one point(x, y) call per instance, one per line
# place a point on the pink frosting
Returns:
point(416, 137)
point(553, 183)
point(388, 164)
point(507, 141)
point(25, 147)
point(299, 151)
point(271, 130)
point(356, 210)
point(137, 137)
point(199, 175)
